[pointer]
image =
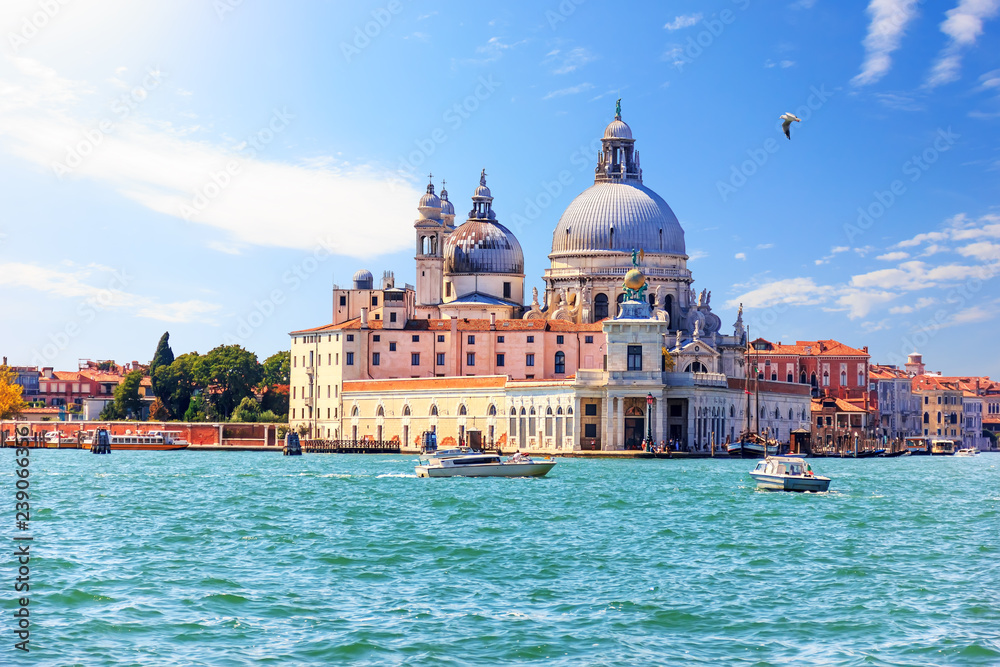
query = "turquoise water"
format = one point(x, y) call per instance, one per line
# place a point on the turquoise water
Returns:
point(180, 558)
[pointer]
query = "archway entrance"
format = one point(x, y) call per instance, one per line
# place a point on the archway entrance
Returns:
point(635, 427)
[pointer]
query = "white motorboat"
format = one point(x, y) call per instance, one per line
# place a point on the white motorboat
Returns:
point(967, 451)
point(788, 473)
point(466, 463)
point(58, 438)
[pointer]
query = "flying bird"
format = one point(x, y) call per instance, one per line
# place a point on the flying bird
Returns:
point(786, 126)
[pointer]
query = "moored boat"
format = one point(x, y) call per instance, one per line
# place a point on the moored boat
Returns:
point(788, 473)
point(153, 441)
point(967, 451)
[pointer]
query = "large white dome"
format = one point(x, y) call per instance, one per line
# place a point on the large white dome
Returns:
point(618, 216)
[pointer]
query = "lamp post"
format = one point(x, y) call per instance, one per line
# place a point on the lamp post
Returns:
point(649, 420)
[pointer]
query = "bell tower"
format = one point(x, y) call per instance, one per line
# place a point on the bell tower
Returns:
point(430, 233)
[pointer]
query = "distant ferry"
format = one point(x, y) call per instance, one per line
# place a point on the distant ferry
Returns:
point(154, 441)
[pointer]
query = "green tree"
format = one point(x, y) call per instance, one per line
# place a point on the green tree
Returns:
point(278, 369)
point(247, 411)
point(196, 410)
point(177, 383)
point(228, 373)
point(128, 401)
point(163, 356)
point(110, 413)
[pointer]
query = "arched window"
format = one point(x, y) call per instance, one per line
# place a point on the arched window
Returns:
point(790, 415)
point(492, 412)
point(406, 410)
point(569, 411)
point(763, 412)
point(826, 379)
point(939, 418)
point(843, 378)
point(600, 307)
point(802, 377)
point(560, 362)
point(812, 379)
point(354, 411)
point(380, 412)
point(927, 418)
point(461, 410)
point(696, 367)
point(434, 410)
point(524, 413)
point(732, 412)
point(559, 410)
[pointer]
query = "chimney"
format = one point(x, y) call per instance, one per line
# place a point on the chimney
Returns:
point(493, 327)
point(364, 317)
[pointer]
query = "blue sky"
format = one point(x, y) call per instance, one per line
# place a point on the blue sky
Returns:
point(211, 168)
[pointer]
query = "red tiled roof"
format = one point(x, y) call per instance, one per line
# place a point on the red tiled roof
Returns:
point(464, 324)
point(823, 348)
point(842, 405)
point(879, 372)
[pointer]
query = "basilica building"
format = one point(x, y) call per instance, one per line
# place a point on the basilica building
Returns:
point(465, 354)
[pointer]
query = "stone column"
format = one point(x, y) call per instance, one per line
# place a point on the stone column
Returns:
point(620, 424)
point(606, 429)
point(577, 433)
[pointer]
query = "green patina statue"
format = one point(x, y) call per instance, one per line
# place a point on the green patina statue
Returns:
point(618, 109)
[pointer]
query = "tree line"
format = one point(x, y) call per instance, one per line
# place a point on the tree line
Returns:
point(225, 384)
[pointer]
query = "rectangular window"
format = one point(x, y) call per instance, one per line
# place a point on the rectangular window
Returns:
point(506, 290)
point(559, 340)
point(440, 338)
point(590, 409)
point(499, 339)
point(635, 357)
point(416, 338)
point(500, 360)
point(589, 340)
point(376, 357)
point(374, 301)
point(471, 340)
point(392, 317)
point(293, 391)
point(350, 338)
point(531, 339)
point(295, 364)
point(590, 430)
point(447, 289)
point(376, 338)
point(440, 359)
point(392, 346)
point(343, 300)
point(819, 421)
point(470, 359)
point(349, 359)
point(529, 360)
point(414, 358)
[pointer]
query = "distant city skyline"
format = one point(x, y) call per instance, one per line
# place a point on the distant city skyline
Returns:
point(212, 169)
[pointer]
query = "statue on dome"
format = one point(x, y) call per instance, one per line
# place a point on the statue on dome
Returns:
point(618, 109)
point(482, 177)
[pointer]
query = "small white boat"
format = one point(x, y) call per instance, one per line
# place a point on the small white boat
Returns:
point(58, 438)
point(788, 473)
point(967, 451)
point(466, 463)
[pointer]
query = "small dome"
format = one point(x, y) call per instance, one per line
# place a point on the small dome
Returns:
point(363, 279)
point(447, 208)
point(480, 246)
point(618, 129)
point(430, 200)
point(482, 191)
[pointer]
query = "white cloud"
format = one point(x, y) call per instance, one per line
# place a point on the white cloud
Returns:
point(963, 25)
point(764, 246)
point(151, 162)
point(893, 256)
point(697, 254)
point(572, 90)
point(981, 250)
point(921, 303)
point(78, 284)
point(889, 19)
point(683, 21)
point(839, 249)
point(791, 291)
point(740, 255)
point(859, 303)
point(569, 61)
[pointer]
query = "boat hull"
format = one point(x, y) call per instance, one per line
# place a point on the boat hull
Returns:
point(534, 469)
point(749, 450)
point(115, 447)
point(814, 483)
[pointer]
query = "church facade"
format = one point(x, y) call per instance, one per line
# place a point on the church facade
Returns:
point(463, 354)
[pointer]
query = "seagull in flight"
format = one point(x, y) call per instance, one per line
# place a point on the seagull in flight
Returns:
point(786, 126)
